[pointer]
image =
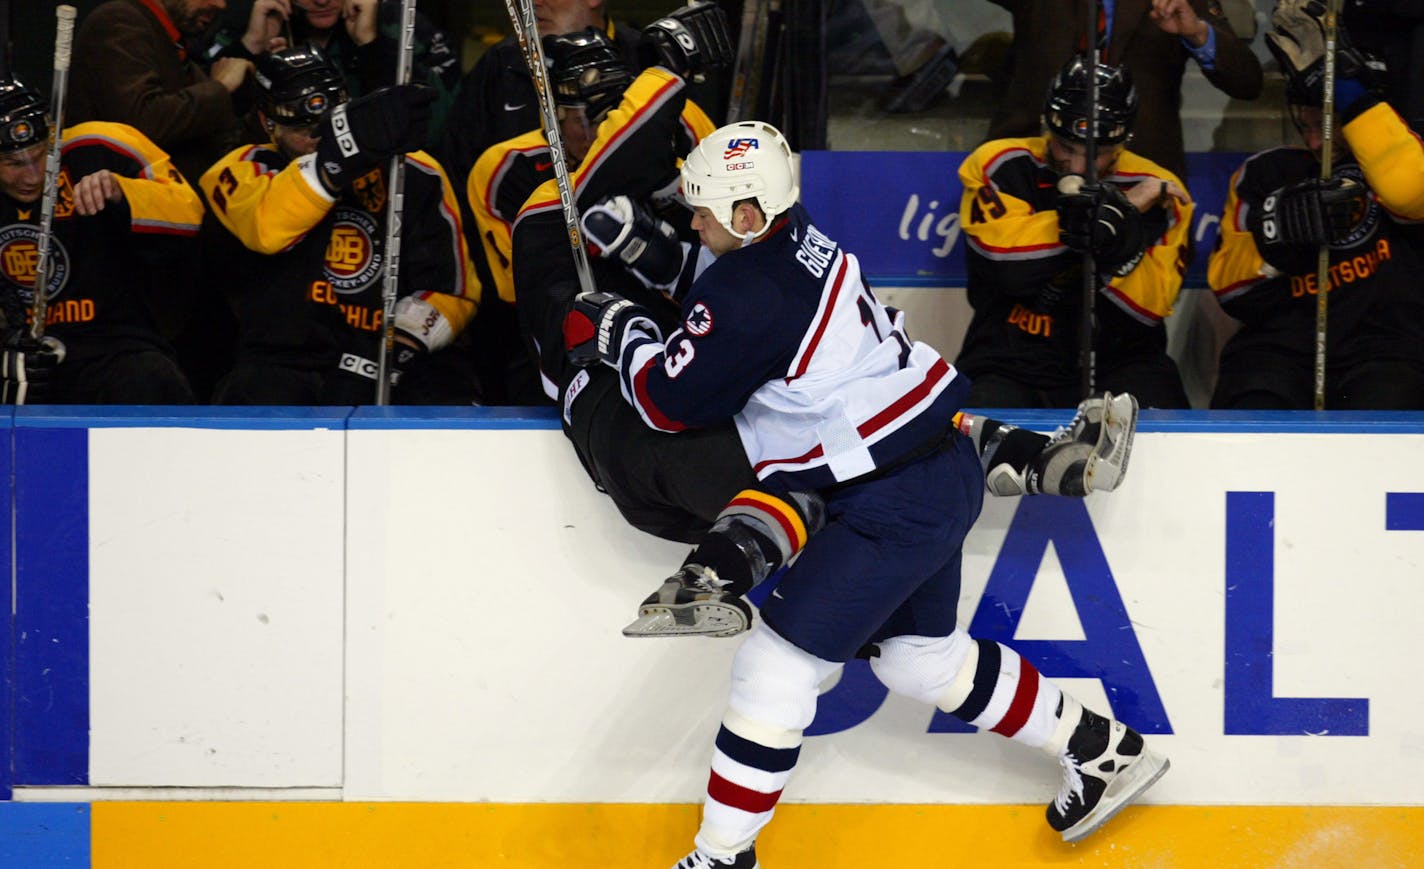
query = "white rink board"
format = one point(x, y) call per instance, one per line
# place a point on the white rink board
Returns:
point(469, 608)
point(215, 607)
point(486, 662)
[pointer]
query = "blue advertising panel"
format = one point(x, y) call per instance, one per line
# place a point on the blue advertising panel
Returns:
point(898, 211)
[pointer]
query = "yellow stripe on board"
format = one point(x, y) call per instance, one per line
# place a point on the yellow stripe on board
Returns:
point(541, 836)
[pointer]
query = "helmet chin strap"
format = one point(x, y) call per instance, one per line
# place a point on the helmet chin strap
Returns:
point(749, 236)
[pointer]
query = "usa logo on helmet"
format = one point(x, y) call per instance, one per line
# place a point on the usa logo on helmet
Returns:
point(739, 147)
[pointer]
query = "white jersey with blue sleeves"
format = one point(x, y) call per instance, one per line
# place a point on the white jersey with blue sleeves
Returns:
point(784, 335)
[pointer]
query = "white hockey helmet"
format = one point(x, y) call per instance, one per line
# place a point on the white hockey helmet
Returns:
point(745, 160)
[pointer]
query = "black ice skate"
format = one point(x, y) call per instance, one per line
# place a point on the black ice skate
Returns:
point(698, 860)
point(1105, 767)
point(691, 603)
point(1090, 453)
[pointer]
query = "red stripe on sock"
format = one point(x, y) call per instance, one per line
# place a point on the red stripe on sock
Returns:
point(734, 795)
point(1022, 705)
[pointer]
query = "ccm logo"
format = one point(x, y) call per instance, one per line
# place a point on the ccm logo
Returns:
point(358, 366)
point(342, 128)
point(734, 167)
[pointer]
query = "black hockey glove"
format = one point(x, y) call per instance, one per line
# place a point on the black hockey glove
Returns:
point(27, 368)
point(1298, 218)
point(594, 328)
point(689, 41)
point(1297, 39)
point(1098, 219)
point(617, 226)
point(361, 134)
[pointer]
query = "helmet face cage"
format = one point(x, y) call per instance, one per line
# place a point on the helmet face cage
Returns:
point(22, 117)
point(585, 69)
point(745, 160)
point(299, 86)
point(1065, 111)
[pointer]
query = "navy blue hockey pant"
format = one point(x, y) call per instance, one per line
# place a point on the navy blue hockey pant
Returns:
point(887, 563)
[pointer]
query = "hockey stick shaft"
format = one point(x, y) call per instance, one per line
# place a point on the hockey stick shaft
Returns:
point(1087, 356)
point(526, 30)
point(746, 69)
point(1327, 168)
point(395, 207)
point(44, 263)
point(6, 49)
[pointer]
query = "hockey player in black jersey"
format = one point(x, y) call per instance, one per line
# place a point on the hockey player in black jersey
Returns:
point(311, 211)
point(124, 220)
point(1279, 213)
point(1027, 225)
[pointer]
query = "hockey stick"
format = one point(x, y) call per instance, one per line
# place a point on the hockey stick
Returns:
point(63, 44)
point(746, 69)
point(395, 204)
point(526, 30)
point(1327, 159)
point(1087, 355)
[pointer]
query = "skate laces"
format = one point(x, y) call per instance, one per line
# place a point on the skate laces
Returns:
point(1072, 783)
point(703, 579)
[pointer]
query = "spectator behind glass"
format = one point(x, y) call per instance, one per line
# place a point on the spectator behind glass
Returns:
point(1152, 39)
point(133, 65)
point(1279, 214)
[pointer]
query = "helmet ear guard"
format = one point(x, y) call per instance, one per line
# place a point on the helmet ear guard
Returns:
point(23, 121)
point(1066, 108)
point(744, 160)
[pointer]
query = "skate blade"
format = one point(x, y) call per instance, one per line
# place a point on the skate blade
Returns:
point(1139, 778)
point(1108, 465)
point(706, 621)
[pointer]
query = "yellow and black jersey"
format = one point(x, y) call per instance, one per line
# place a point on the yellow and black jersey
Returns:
point(109, 270)
point(1026, 286)
point(312, 291)
point(636, 153)
point(508, 173)
point(1375, 307)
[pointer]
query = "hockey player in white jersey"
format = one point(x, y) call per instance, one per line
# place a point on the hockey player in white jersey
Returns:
point(780, 333)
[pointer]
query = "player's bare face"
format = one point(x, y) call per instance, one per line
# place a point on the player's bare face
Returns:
point(322, 14)
point(565, 16)
point(713, 234)
point(1071, 158)
point(22, 173)
point(577, 132)
point(1309, 122)
point(295, 142)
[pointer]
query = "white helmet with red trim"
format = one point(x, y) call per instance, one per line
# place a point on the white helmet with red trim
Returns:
point(745, 160)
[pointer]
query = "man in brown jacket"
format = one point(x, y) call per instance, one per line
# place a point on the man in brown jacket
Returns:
point(131, 66)
point(1153, 39)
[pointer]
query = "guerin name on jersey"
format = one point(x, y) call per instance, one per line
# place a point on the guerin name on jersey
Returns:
point(816, 252)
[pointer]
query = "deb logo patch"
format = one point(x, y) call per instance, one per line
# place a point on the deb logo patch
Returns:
point(740, 147)
point(699, 320)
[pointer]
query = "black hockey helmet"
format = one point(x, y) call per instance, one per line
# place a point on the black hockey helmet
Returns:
point(1065, 111)
point(298, 86)
point(22, 116)
point(586, 69)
